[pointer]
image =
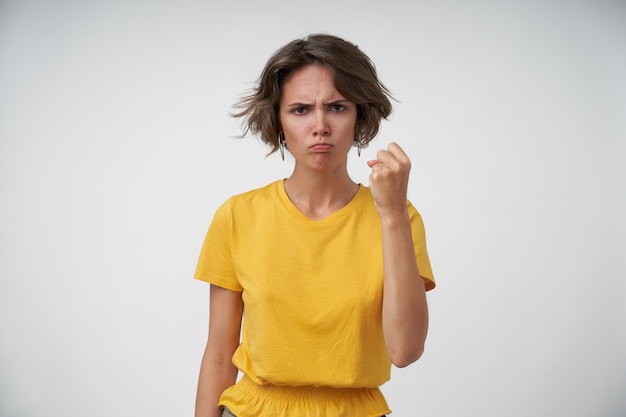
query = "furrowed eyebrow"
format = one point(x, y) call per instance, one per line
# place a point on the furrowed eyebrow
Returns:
point(299, 105)
point(340, 101)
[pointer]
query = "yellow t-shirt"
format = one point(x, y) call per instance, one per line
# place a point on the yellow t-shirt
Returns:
point(312, 293)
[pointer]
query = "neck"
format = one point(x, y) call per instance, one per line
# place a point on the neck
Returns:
point(318, 195)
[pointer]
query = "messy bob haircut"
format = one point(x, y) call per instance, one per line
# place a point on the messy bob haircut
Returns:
point(354, 76)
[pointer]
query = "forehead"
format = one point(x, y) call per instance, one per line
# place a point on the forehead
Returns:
point(310, 78)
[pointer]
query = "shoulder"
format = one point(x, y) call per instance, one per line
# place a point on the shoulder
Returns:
point(256, 197)
point(268, 191)
point(412, 210)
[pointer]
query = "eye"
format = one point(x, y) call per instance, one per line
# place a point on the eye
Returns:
point(298, 110)
point(338, 107)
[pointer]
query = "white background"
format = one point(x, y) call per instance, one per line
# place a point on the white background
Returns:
point(116, 147)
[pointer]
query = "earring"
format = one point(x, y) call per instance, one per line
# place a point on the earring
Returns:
point(357, 139)
point(358, 147)
point(281, 145)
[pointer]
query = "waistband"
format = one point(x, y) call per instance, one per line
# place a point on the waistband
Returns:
point(249, 399)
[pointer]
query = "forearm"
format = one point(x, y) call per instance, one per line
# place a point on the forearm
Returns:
point(405, 312)
point(217, 371)
point(215, 376)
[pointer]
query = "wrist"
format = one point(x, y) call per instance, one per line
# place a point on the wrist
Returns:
point(394, 217)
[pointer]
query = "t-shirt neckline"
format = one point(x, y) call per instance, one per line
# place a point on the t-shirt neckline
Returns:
point(295, 211)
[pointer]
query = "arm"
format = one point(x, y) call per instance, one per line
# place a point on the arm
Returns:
point(405, 312)
point(217, 371)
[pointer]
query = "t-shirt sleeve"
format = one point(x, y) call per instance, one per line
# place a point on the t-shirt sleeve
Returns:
point(419, 243)
point(215, 264)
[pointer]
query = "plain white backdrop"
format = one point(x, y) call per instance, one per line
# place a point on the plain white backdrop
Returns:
point(116, 147)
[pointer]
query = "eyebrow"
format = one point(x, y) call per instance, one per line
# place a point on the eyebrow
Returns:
point(340, 101)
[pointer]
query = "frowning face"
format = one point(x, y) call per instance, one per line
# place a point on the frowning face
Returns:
point(317, 121)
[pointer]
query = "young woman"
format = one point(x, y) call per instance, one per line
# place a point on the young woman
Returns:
point(331, 274)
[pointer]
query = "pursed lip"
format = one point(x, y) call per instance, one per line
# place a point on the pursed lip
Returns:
point(321, 147)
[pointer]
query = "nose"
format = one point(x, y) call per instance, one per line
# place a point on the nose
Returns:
point(321, 126)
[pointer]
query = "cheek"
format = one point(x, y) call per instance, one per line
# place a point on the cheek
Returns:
point(349, 127)
point(292, 129)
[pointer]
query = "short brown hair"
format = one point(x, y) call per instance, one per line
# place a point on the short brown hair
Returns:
point(354, 75)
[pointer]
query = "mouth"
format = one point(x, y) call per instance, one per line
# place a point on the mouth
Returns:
point(322, 147)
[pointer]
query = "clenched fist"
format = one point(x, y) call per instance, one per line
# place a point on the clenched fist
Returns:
point(389, 180)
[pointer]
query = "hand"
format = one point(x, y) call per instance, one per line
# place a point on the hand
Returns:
point(389, 179)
